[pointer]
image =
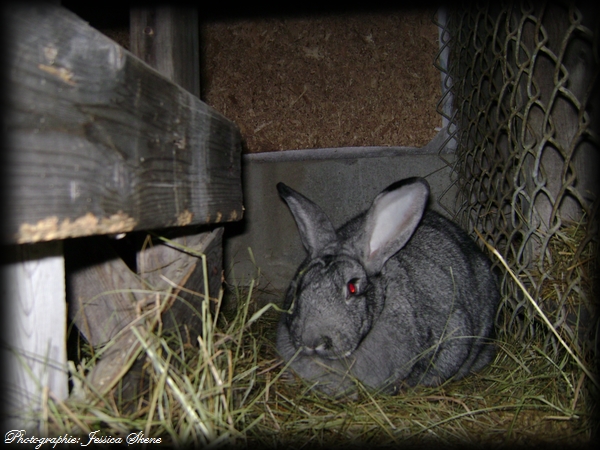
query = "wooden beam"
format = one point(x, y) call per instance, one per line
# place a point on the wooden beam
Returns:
point(98, 142)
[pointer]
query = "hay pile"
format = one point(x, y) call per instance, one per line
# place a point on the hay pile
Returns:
point(230, 389)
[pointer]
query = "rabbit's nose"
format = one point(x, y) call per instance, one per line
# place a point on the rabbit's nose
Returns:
point(319, 344)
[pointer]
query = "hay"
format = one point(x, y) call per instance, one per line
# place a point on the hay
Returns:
point(231, 389)
point(523, 397)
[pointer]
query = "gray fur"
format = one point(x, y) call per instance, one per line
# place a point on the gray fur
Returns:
point(425, 302)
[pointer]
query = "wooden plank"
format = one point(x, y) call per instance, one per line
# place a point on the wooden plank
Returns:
point(165, 265)
point(116, 362)
point(34, 352)
point(98, 142)
point(167, 39)
point(103, 292)
point(106, 298)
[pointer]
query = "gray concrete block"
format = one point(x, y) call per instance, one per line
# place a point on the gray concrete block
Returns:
point(342, 181)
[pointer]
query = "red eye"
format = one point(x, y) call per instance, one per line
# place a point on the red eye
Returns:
point(352, 288)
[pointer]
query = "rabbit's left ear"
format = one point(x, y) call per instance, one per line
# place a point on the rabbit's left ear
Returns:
point(316, 230)
point(391, 221)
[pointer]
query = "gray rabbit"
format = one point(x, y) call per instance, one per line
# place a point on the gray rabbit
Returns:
point(397, 296)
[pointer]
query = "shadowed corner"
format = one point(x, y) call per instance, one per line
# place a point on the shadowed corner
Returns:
point(4, 257)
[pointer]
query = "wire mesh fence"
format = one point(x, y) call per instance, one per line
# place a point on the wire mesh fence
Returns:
point(522, 82)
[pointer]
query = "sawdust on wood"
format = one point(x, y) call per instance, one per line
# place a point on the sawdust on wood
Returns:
point(52, 228)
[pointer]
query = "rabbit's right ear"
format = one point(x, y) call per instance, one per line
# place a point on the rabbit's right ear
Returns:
point(391, 221)
point(316, 230)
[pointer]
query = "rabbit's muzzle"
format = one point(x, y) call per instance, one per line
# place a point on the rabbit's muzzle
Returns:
point(319, 344)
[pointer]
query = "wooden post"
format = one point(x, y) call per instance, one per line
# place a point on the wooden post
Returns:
point(167, 39)
point(34, 310)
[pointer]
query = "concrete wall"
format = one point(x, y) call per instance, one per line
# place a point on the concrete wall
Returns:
point(342, 181)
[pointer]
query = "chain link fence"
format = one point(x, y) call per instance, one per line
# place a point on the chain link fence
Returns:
point(521, 88)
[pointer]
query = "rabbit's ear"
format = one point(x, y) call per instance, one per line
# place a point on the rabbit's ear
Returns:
point(391, 221)
point(316, 230)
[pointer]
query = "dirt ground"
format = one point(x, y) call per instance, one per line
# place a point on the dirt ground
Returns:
point(364, 79)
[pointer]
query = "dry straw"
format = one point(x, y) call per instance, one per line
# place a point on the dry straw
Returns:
point(230, 389)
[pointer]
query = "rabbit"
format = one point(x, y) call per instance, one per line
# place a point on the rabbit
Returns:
point(399, 296)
